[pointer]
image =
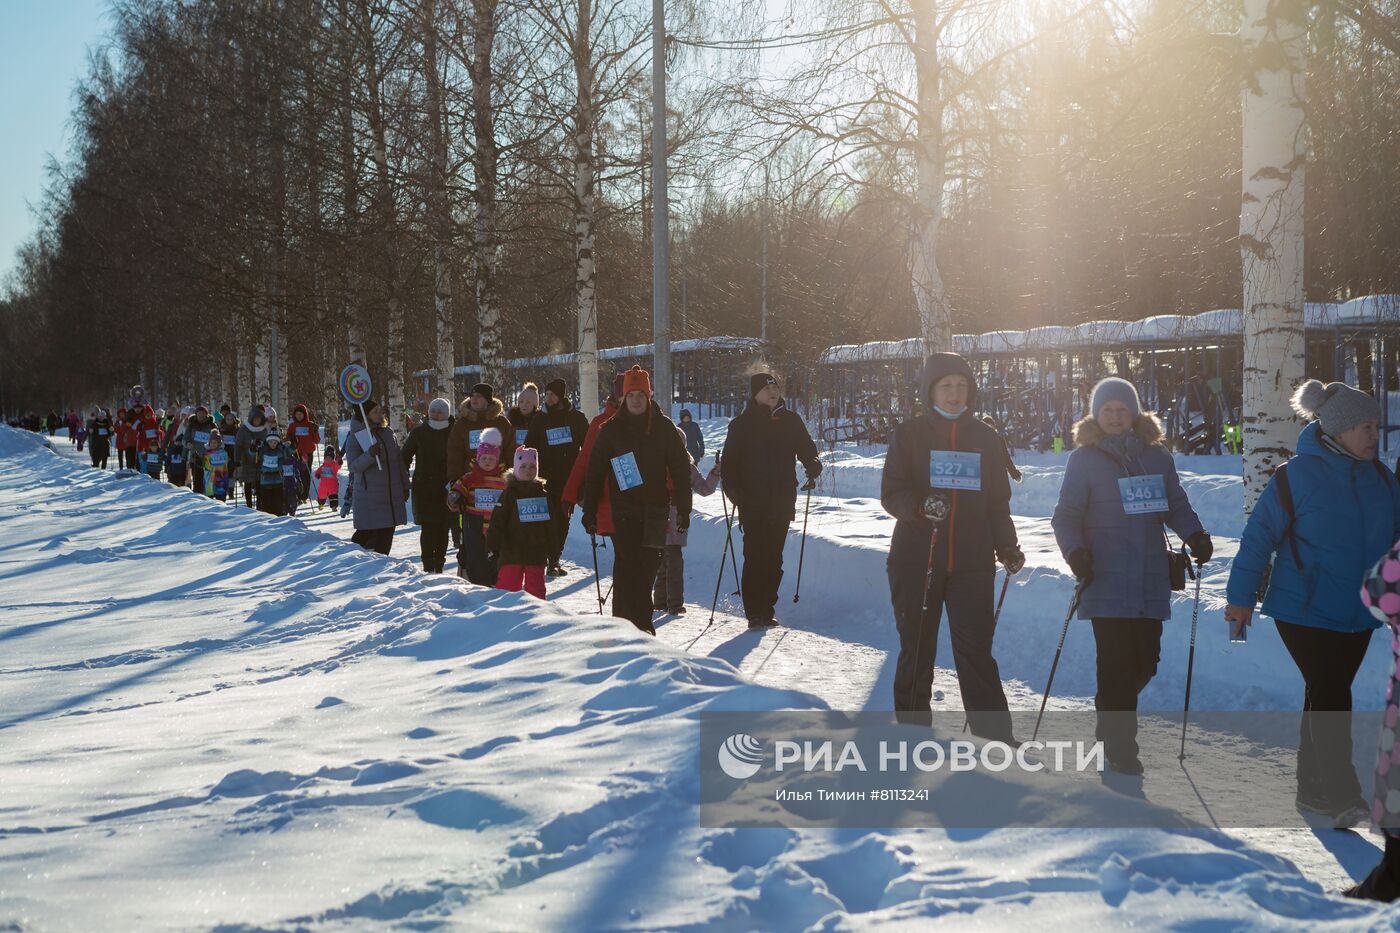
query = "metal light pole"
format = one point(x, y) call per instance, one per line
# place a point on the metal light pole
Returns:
point(660, 239)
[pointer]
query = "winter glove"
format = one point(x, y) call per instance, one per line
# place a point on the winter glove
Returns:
point(1081, 564)
point(810, 484)
point(682, 524)
point(590, 523)
point(935, 507)
point(454, 500)
point(1012, 559)
point(568, 511)
point(1201, 547)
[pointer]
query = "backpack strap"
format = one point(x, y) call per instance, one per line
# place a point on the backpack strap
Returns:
point(1285, 494)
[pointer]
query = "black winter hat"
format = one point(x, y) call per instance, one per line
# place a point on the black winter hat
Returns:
point(759, 381)
point(939, 365)
point(558, 386)
point(484, 390)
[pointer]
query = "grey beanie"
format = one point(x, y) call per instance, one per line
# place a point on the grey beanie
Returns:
point(1114, 389)
point(439, 409)
point(1336, 405)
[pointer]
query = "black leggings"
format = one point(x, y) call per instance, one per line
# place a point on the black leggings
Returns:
point(248, 494)
point(1328, 661)
point(380, 540)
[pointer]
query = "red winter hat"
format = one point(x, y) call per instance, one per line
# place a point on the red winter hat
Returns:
point(636, 380)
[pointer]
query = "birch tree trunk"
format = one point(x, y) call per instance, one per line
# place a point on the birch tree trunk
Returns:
point(440, 216)
point(930, 297)
point(1274, 37)
point(262, 370)
point(387, 223)
point(586, 270)
point(484, 165)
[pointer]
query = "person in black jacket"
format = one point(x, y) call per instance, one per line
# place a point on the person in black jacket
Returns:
point(694, 440)
point(557, 433)
point(756, 468)
point(949, 467)
point(427, 444)
point(521, 536)
point(639, 454)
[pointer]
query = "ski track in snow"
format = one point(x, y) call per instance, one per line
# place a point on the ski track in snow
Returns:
point(212, 718)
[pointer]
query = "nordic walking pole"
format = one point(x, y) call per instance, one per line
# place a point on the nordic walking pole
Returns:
point(597, 583)
point(729, 540)
point(1045, 698)
point(1190, 663)
point(936, 510)
point(802, 550)
point(1005, 583)
point(720, 579)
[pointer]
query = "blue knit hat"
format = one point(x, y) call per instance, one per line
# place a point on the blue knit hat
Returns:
point(1114, 389)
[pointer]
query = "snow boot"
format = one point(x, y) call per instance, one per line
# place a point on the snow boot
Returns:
point(1125, 763)
point(763, 623)
point(1353, 815)
point(1383, 883)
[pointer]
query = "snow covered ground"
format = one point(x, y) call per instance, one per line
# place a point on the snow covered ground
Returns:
point(212, 718)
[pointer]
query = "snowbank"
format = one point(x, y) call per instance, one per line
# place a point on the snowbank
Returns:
point(212, 718)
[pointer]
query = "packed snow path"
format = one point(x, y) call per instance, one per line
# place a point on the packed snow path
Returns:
point(217, 718)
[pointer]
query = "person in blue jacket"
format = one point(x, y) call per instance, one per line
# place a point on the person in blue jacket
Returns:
point(1113, 536)
point(1345, 507)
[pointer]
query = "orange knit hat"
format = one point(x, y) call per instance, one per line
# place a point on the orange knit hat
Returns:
point(636, 380)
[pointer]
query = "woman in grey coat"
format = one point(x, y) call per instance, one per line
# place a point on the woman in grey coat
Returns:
point(1120, 491)
point(245, 443)
point(381, 484)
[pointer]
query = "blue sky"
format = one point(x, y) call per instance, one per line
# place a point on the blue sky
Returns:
point(43, 50)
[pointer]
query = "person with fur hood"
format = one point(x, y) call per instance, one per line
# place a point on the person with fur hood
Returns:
point(247, 442)
point(1112, 534)
point(1323, 519)
point(479, 410)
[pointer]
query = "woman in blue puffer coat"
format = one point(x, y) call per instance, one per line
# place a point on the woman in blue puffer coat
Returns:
point(1119, 494)
point(1345, 510)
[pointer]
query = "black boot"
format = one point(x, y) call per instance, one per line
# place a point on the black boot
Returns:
point(1383, 883)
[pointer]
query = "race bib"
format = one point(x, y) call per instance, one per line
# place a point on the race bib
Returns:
point(1143, 494)
point(176, 459)
point(288, 470)
point(327, 472)
point(201, 437)
point(218, 458)
point(955, 469)
point(271, 461)
point(532, 510)
point(520, 436)
point(302, 431)
point(485, 498)
point(101, 432)
point(150, 432)
point(626, 472)
point(153, 459)
point(558, 436)
point(473, 439)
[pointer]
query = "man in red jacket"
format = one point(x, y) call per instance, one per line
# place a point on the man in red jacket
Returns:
point(573, 489)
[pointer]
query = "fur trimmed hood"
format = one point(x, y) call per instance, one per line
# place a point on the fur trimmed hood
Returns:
point(493, 410)
point(1087, 432)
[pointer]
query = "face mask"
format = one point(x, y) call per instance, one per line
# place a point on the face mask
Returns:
point(950, 415)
